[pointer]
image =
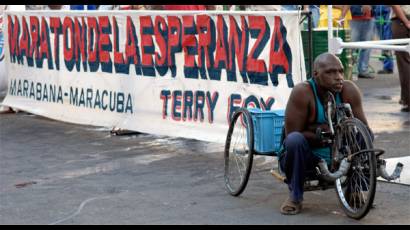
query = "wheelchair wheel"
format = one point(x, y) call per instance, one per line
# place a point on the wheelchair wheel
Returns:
point(239, 152)
point(356, 190)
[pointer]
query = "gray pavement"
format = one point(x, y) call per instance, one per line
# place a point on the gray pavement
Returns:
point(58, 173)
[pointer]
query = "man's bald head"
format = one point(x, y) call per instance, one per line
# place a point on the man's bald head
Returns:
point(323, 60)
point(328, 72)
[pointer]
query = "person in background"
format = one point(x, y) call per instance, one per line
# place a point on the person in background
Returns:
point(315, 9)
point(83, 7)
point(383, 28)
point(55, 7)
point(336, 14)
point(401, 29)
point(362, 29)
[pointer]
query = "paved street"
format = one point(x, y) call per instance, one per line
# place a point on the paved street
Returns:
point(58, 173)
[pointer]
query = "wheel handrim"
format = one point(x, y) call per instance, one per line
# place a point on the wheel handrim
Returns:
point(238, 155)
point(356, 189)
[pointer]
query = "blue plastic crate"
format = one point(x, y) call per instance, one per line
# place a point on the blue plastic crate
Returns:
point(267, 127)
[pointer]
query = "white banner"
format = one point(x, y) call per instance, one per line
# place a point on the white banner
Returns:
point(161, 72)
point(3, 81)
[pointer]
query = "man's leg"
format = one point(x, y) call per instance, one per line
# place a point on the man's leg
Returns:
point(383, 30)
point(315, 15)
point(356, 36)
point(297, 159)
point(356, 27)
point(388, 64)
point(366, 28)
point(403, 64)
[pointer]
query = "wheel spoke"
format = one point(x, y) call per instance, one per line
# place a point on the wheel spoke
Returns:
point(238, 155)
point(238, 167)
point(239, 151)
point(356, 191)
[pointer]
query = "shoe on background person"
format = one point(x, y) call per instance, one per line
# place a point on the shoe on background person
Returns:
point(365, 75)
point(385, 71)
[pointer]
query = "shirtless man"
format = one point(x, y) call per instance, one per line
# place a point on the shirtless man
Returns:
point(305, 113)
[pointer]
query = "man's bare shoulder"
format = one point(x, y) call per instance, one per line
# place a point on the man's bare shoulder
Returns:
point(349, 83)
point(302, 88)
point(350, 87)
point(301, 94)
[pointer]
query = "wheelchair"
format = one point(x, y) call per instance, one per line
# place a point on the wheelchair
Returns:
point(355, 164)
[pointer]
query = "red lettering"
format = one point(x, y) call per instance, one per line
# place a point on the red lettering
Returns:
point(104, 39)
point(220, 54)
point(25, 38)
point(93, 38)
point(240, 47)
point(160, 59)
point(204, 21)
point(68, 51)
point(13, 30)
point(188, 40)
point(35, 36)
point(44, 46)
point(118, 56)
point(80, 39)
point(254, 64)
point(146, 40)
point(174, 38)
point(131, 47)
point(55, 25)
point(277, 55)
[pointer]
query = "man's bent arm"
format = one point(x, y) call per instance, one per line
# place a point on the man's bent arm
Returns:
point(297, 112)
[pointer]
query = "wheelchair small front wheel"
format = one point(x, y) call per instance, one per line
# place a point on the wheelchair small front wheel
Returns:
point(239, 152)
point(357, 189)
